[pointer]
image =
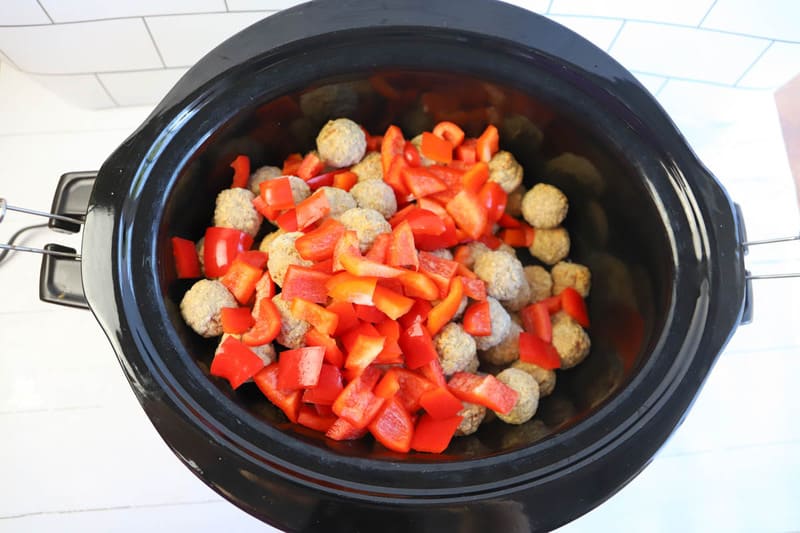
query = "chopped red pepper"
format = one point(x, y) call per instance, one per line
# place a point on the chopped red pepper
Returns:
point(392, 304)
point(450, 132)
point(262, 207)
point(462, 254)
point(518, 237)
point(287, 401)
point(328, 387)
point(401, 215)
point(574, 305)
point(316, 315)
point(492, 242)
point(418, 313)
point(436, 148)
point(425, 222)
point(532, 349)
point(235, 362)
point(435, 242)
point(326, 266)
point(359, 265)
point(402, 251)
point(265, 288)
point(380, 248)
point(388, 386)
point(312, 209)
point(349, 288)
point(394, 178)
point(304, 282)
point(432, 435)
point(221, 246)
point(310, 166)
point(507, 221)
point(287, 220)
point(333, 354)
point(309, 418)
point(393, 427)
point(494, 198)
point(418, 285)
point(421, 182)
point(345, 180)
point(392, 145)
point(370, 313)
point(444, 311)
point(488, 143)
point(466, 152)
point(267, 326)
point(321, 180)
point(411, 155)
point(391, 352)
point(300, 368)
point(411, 388)
point(241, 171)
point(241, 279)
point(553, 304)
point(347, 316)
point(417, 345)
point(257, 258)
point(484, 390)
point(536, 320)
point(474, 288)
point(344, 430)
point(476, 176)
point(477, 320)
point(363, 350)
point(440, 403)
point(469, 213)
point(277, 193)
point(347, 244)
point(187, 264)
point(291, 164)
point(357, 403)
point(440, 270)
point(433, 372)
point(236, 320)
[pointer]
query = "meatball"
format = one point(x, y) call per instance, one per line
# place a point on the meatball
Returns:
point(545, 378)
point(544, 206)
point(370, 168)
point(570, 340)
point(522, 299)
point(502, 273)
point(442, 253)
point(375, 195)
point(201, 306)
point(235, 209)
point(505, 352)
point(341, 143)
point(571, 275)
point(501, 325)
point(476, 249)
point(282, 253)
point(471, 417)
point(367, 223)
point(528, 399)
point(268, 238)
point(539, 281)
point(505, 171)
point(300, 189)
point(507, 249)
point(293, 331)
point(265, 352)
point(514, 201)
point(339, 200)
point(456, 349)
point(261, 175)
point(550, 245)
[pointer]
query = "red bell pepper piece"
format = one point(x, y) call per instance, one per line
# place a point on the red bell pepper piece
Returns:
point(462, 254)
point(363, 328)
point(518, 237)
point(323, 410)
point(326, 266)
point(235, 362)
point(440, 403)
point(291, 164)
point(532, 349)
point(392, 146)
point(435, 242)
point(417, 345)
point(379, 248)
point(434, 206)
point(484, 390)
point(310, 166)
point(333, 354)
point(363, 351)
point(328, 387)
point(433, 372)
point(344, 430)
point(388, 386)
point(450, 132)
point(418, 285)
point(321, 180)
point(312, 209)
point(267, 326)
point(477, 320)
point(221, 247)
point(421, 182)
point(574, 305)
point(402, 251)
point(488, 143)
point(347, 316)
point(411, 155)
point(394, 178)
point(349, 288)
point(552, 303)
point(401, 215)
point(287, 401)
point(467, 151)
point(474, 178)
point(444, 311)
point(309, 418)
point(345, 180)
point(449, 175)
point(265, 288)
point(357, 403)
point(393, 427)
point(411, 388)
point(187, 264)
point(277, 193)
point(495, 199)
point(241, 279)
point(256, 258)
point(436, 148)
point(469, 213)
point(266, 211)
point(392, 304)
point(507, 221)
point(241, 171)
point(465, 273)
point(373, 141)
point(304, 282)
point(432, 435)
point(369, 313)
point(474, 288)
point(425, 222)
point(391, 352)
point(236, 320)
point(359, 265)
point(418, 313)
point(323, 320)
point(347, 244)
point(536, 320)
point(300, 368)
point(440, 270)
point(287, 220)
point(492, 242)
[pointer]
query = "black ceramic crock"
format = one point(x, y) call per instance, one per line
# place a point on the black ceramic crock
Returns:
point(658, 230)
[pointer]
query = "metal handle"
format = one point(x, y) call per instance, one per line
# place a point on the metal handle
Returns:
point(783, 275)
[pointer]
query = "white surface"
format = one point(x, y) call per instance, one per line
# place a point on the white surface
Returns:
point(140, 88)
point(779, 64)
point(22, 12)
point(734, 465)
point(77, 10)
point(775, 19)
point(82, 90)
point(600, 32)
point(675, 12)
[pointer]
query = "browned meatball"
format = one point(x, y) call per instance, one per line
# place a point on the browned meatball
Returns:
point(376, 195)
point(341, 143)
point(505, 171)
point(539, 281)
point(571, 275)
point(234, 209)
point(282, 253)
point(545, 378)
point(570, 340)
point(293, 331)
point(456, 349)
point(505, 352)
point(472, 416)
point(261, 175)
point(370, 168)
point(202, 305)
point(502, 273)
point(528, 399)
point(550, 245)
point(501, 325)
point(367, 223)
point(544, 206)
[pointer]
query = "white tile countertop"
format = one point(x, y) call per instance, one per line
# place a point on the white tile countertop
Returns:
point(78, 454)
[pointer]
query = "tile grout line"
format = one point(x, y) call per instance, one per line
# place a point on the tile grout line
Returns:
point(110, 508)
point(708, 12)
point(123, 71)
point(130, 17)
point(103, 85)
point(45, 11)
point(616, 36)
point(227, 7)
point(741, 447)
point(756, 60)
point(547, 12)
point(50, 410)
point(155, 44)
point(661, 87)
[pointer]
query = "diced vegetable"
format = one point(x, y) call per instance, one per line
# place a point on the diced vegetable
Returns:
point(477, 319)
point(392, 427)
point(349, 288)
point(187, 264)
point(310, 166)
point(300, 368)
point(307, 283)
point(444, 311)
point(267, 326)
point(532, 349)
point(436, 148)
point(287, 401)
point(241, 278)
point(241, 171)
point(417, 345)
point(488, 143)
point(432, 435)
point(469, 213)
point(312, 209)
point(484, 390)
point(440, 403)
point(235, 362)
point(323, 320)
point(333, 354)
point(221, 246)
point(450, 132)
point(573, 304)
point(392, 304)
point(309, 418)
point(236, 320)
point(357, 404)
point(401, 251)
point(277, 193)
point(536, 320)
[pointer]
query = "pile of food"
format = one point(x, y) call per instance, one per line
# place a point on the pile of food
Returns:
point(389, 299)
